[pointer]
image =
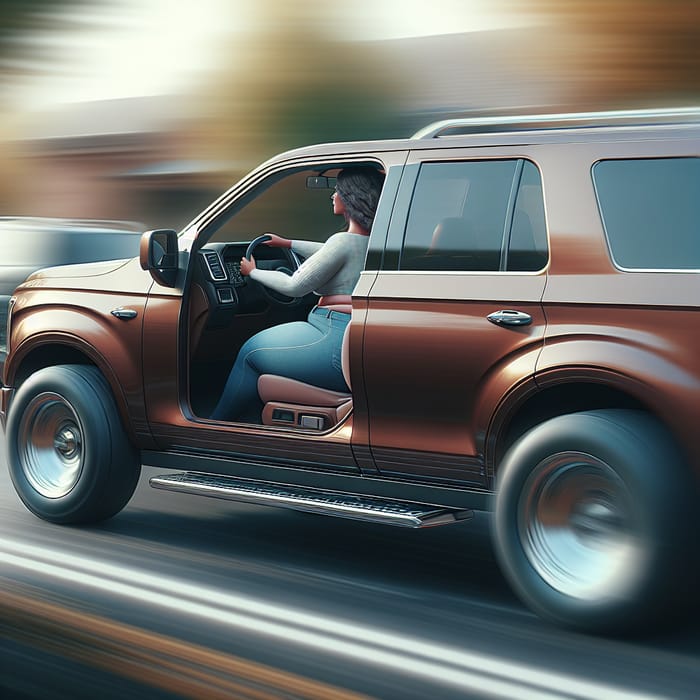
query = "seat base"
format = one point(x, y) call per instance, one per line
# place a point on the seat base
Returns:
point(295, 404)
point(302, 416)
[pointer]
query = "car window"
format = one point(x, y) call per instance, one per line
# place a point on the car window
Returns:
point(651, 212)
point(283, 205)
point(528, 249)
point(483, 215)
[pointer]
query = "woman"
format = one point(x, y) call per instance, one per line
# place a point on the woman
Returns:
point(309, 351)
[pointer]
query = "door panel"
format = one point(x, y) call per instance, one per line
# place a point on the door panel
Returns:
point(430, 362)
point(435, 366)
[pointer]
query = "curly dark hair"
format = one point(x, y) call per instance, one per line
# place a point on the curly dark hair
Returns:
point(359, 187)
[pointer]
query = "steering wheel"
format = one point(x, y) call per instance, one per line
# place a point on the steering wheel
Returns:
point(293, 265)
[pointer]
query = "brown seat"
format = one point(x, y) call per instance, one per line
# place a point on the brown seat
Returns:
point(452, 247)
point(296, 404)
point(450, 237)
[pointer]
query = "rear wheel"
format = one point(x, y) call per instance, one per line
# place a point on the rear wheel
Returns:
point(69, 457)
point(592, 519)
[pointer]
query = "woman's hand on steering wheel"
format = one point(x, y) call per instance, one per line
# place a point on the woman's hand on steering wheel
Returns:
point(276, 241)
point(247, 266)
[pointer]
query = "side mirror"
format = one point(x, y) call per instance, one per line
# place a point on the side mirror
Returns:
point(158, 254)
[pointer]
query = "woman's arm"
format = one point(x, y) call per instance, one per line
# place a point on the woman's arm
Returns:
point(306, 248)
point(313, 273)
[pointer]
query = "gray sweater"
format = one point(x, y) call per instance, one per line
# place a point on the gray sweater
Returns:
point(332, 267)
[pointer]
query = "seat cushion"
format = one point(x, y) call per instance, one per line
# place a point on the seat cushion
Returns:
point(272, 387)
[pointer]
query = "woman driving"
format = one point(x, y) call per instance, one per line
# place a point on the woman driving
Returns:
point(308, 351)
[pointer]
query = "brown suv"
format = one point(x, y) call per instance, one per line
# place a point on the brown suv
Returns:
point(524, 337)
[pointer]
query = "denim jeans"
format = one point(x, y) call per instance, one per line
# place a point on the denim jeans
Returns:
point(309, 351)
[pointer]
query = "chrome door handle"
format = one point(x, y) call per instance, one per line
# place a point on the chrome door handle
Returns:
point(508, 317)
point(123, 313)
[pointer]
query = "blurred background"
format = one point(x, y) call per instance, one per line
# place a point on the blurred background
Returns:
point(146, 109)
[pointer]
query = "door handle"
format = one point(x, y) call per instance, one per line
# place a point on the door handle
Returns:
point(123, 313)
point(509, 317)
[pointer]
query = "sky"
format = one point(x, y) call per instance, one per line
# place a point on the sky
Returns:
point(130, 48)
point(392, 19)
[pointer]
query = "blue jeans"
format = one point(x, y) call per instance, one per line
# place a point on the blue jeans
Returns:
point(309, 351)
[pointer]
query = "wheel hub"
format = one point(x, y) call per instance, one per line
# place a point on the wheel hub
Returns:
point(595, 519)
point(576, 525)
point(51, 445)
point(67, 442)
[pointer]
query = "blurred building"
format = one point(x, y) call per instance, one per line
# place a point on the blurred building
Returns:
point(489, 71)
point(138, 158)
point(115, 159)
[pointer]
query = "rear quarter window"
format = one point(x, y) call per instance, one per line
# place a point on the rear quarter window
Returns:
point(650, 210)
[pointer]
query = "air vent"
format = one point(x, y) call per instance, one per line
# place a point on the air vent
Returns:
point(215, 266)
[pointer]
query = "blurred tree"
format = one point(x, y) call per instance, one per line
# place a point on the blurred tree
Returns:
point(22, 16)
point(290, 83)
point(19, 20)
point(624, 52)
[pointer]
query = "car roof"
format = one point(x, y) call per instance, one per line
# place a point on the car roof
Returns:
point(511, 130)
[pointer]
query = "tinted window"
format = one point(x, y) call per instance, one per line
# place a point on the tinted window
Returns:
point(527, 250)
point(651, 211)
point(476, 215)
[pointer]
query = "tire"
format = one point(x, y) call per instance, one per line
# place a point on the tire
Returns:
point(593, 520)
point(69, 457)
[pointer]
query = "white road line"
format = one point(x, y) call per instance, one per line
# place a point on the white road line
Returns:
point(472, 671)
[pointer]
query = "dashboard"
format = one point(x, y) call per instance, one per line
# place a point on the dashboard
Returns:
point(219, 273)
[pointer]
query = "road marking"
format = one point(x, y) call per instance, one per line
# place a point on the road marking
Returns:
point(470, 671)
point(186, 669)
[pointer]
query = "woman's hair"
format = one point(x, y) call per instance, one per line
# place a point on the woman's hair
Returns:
point(359, 187)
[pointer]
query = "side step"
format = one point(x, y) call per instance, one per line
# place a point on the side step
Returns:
point(345, 505)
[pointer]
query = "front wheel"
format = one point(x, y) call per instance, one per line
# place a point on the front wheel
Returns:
point(593, 515)
point(70, 459)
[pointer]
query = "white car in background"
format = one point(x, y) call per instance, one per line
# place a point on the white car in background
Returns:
point(31, 243)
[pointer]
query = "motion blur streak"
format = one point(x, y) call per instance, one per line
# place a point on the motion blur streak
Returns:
point(469, 671)
point(186, 669)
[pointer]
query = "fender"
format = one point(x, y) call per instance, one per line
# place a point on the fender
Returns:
point(661, 377)
point(111, 344)
point(506, 387)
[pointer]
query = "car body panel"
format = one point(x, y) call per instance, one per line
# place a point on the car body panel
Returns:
point(32, 243)
point(51, 311)
point(634, 330)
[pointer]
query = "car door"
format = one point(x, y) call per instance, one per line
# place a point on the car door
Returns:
point(454, 320)
point(177, 425)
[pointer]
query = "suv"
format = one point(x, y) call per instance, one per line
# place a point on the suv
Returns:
point(523, 339)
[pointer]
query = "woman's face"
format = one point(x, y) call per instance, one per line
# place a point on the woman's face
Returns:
point(338, 206)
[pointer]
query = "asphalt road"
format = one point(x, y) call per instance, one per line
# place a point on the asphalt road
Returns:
point(184, 596)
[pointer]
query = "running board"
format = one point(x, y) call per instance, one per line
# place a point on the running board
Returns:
point(323, 502)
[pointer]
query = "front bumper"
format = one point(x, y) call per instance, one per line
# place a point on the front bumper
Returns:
point(5, 396)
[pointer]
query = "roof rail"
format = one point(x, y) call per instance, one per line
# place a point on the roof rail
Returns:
point(485, 124)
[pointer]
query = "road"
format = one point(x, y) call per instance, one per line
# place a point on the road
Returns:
point(189, 597)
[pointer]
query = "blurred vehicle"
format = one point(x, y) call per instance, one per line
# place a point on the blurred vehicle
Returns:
point(30, 243)
point(523, 337)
